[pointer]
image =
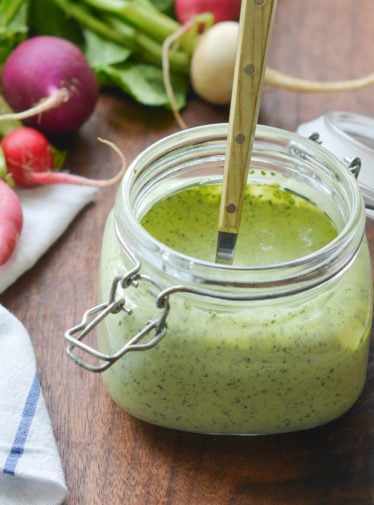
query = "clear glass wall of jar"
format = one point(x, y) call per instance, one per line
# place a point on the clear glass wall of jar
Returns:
point(236, 350)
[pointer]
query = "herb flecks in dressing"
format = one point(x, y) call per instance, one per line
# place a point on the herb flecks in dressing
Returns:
point(276, 225)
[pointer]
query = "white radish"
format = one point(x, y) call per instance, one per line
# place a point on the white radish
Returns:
point(213, 62)
point(212, 69)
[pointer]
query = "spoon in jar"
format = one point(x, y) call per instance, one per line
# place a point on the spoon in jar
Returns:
point(255, 24)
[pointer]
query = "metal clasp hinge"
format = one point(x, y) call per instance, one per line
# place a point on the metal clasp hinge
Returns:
point(92, 317)
point(353, 165)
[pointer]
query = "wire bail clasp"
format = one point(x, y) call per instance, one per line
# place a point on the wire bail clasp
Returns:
point(115, 305)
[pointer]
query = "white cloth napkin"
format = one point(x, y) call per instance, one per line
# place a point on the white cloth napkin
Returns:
point(47, 212)
point(30, 466)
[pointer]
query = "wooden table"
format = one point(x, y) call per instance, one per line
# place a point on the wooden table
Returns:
point(111, 458)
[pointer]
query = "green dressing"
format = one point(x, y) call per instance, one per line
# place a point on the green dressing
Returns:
point(276, 225)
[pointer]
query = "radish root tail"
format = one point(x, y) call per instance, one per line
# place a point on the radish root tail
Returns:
point(166, 70)
point(281, 80)
point(118, 176)
point(52, 177)
point(51, 102)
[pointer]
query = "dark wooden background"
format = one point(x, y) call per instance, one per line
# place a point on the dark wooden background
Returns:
point(111, 458)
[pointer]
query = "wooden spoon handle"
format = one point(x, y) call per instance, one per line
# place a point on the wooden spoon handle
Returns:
point(256, 20)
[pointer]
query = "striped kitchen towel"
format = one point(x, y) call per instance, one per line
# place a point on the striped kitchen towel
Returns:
point(30, 465)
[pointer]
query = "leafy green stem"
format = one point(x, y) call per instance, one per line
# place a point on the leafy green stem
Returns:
point(150, 21)
point(82, 15)
point(9, 10)
point(149, 49)
point(124, 34)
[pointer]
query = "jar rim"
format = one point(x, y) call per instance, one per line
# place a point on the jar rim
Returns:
point(310, 270)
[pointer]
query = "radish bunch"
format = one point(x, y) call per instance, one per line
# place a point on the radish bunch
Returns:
point(132, 37)
point(48, 83)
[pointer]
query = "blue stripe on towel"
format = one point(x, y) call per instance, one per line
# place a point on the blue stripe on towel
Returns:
point(28, 414)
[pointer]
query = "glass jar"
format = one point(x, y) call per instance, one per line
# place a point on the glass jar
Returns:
point(214, 348)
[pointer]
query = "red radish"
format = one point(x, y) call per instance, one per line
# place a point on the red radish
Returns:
point(11, 221)
point(53, 75)
point(29, 160)
point(26, 150)
point(224, 10)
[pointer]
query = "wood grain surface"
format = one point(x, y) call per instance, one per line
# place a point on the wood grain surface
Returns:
point(111, 458)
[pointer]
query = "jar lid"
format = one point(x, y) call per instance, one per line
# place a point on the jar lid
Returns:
point(348, 136)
